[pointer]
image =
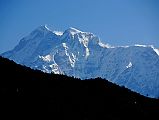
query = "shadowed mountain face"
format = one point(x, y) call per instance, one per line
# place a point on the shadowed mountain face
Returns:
point(82, 55)
point(29, 92)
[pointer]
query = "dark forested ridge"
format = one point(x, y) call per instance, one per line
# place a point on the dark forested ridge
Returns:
point(26, 92)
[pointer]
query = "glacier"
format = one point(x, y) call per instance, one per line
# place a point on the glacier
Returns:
point(83, 55)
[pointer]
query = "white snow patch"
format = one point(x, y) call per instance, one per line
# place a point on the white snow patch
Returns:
point(74, 31)
point(129, 65)
point(84, 40)
point(45, 69)
point(55, 68)
point(143, 45)
point(58, 33)
point(64, 45)
point(72, 62)
point(123, 46)
point(156, 50)
point(105, 45)
point(47, 27)
point(46, 58)
point(87, 53)
point(74, 57)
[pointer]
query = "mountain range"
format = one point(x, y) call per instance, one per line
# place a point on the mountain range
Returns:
point(83, 55)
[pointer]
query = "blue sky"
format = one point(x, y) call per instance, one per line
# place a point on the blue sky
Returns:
point(116, 22)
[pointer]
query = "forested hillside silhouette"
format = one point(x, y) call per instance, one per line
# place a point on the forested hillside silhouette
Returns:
point(26, 92)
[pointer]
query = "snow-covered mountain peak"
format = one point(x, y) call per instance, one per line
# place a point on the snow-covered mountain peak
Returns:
point(83, 55)
point(40, 31)
point(72, 36)
point(72, 31)
point(43, 28)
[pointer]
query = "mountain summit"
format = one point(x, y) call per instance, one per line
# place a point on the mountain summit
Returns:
point(83, 55)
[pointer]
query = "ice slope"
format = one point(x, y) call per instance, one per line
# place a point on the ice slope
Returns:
point(83, 55)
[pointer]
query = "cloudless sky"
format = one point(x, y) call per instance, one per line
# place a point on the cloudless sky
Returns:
point(116, 22)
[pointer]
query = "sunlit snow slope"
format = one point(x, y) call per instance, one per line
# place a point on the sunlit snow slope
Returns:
point(81, 54)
